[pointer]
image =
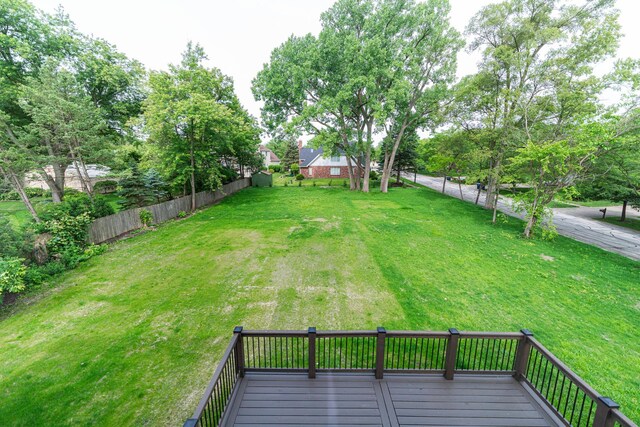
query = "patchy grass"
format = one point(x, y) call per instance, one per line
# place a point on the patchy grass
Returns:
point(596, 203)
point(632, 223)
point(132, 337)
point(16, 213)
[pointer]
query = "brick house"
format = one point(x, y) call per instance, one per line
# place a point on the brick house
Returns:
point(314, 164)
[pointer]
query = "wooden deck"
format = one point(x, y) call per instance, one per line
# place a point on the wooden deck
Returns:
point(401, 400)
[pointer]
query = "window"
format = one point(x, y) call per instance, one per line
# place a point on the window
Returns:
point(335, 171)
point(310, 171)
point(335, 159)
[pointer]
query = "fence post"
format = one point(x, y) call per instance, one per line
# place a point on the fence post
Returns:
point(452, 353)
point(311, 333)
point(522, 355)
point(239, 351)
point(603, 412)
point(380, 342)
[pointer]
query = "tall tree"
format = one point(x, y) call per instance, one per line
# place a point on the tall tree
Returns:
point(536, 68)
point(65, 129)
point(194, 117)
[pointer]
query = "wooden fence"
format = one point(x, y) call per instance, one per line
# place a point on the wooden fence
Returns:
point(112, 226)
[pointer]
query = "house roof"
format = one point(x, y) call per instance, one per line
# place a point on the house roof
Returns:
point(272, 155)
point(308, 155)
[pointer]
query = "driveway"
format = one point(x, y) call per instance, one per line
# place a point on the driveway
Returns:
point(576, 223)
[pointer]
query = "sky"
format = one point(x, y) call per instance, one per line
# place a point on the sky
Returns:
point(239, 35)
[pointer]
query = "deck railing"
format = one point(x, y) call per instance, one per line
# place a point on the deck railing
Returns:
point(382, 352)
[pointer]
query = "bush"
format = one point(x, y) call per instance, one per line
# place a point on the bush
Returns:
point(182, 214)
point(294, 168)
point(77, 204)
point(275, 168)
point(373, 175)
point(344, 183)
point(11, 241)
point(299, 177)
point(68, 233)
point(12, 274)
point(146, 217)
point(10, 195)
point(228, 175)
point(299, 183)
point(103, 186)
point(37, 192)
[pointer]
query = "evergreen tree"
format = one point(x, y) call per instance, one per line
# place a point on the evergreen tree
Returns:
point(134, 190)
point(291, 154)
point(155, 185)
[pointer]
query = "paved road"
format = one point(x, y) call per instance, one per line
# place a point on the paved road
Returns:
point(608, 237)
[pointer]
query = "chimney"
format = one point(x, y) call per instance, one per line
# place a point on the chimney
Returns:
point(299, 145)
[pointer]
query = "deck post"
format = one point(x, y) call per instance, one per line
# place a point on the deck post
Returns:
point(603, 412)
point(311, 335)
point(452, 353)
point(522, 355)
point(239, 351)
point(380, 341)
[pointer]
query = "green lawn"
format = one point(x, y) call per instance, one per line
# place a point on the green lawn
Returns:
point(132, 337)
point(632, 223)
point(16, 213)
point(596, 203)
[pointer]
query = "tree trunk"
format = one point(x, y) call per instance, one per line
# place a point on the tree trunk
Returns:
point(358, 174)
point(478, 195)
point(388, 163)
point(398, 176)
point(17, 185)
point(367, 170)
point(193, 178)
point(55, 183)
point(352, 181)
point(493, 182)
point(528, 230)
point(444, 181)
point(624, 211)
point(495, 205)
point(460, 188)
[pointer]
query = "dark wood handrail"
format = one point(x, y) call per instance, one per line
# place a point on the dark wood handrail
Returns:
point(445, 360)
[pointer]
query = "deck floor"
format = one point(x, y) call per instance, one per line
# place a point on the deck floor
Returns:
point(401, 400)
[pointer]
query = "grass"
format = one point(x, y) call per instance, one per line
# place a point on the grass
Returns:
point(132, 337)
point(16, 213)
point(632, 223)
point(596, 203)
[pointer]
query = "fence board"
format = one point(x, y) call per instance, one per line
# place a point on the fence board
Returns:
point(112, 226)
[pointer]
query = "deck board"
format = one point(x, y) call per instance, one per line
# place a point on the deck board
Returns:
point(398, 400)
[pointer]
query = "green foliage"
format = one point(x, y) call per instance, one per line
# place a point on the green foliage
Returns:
point(182, 214)
point(275, 168)
point(68, 233)
point(12, 242)
point(12, 274)
point(9, 195)
point(133, 189)
point(294, 168)
point(155, 185)
point(146, 217)
point(77, 204)
point(101, 185)
point(37, 192)
point(195, 120)
point(299, 177)
point(373, 175)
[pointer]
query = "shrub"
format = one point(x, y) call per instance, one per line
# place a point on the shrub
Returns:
point(314, 183)
point(373, 175)
point(37, 192)
point(344, 183)
point(68, 233)
point(276, 168)
point(299, 177)
point(286, 184)
point(299, 183)
point(294, 168)
point(10, 195)
point(146, 217)
point(182, 214)
point(11, 241)
point(77, 204)
point(12, 273)
point(105, 186)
